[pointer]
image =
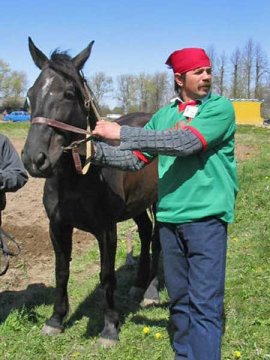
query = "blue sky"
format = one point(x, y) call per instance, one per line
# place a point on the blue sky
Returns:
point(130, 36)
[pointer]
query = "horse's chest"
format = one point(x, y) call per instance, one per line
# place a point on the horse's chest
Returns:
point(75, 205)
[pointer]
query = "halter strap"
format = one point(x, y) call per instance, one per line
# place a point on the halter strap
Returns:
point(75, 145)
point(60, 125)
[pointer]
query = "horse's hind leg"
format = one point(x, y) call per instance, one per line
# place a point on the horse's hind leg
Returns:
point(147, 276)
point(151, 295)
point(145, 232)
point(107, 244)
point(61, 237)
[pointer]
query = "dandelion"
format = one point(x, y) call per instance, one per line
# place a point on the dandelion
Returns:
point(235, 238)
point(158, 336)
point(237, 354)
point(75, 355)
point(259, 270)
point(146, 330)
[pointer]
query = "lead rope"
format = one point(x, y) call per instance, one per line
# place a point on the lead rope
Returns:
point(88, 146)
point(4, 250)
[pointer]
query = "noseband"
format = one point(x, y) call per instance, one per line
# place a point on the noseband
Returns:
point(74, 146)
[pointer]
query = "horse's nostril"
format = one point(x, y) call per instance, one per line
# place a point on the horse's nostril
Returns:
point(42, 162)
point(40, 158)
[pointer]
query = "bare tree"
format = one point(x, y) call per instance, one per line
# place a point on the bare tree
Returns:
point(126, 91)
point(211, 52)
point(101, 84)
point(214, 59)
point(219, 84)
point(236, 63)
point(12, 83)
point(143, 85)
point(261, 69)
point(248, 58)
point(4, 71)
point(159, 91)
point(223, 61)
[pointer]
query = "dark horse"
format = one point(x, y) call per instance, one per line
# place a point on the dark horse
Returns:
point(94, 202)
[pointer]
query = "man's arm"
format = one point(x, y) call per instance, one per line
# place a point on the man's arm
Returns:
point(13, 175)
point(166, 142)
point(106, 155)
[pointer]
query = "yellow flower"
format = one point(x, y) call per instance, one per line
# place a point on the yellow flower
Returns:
point(75, 355)
point(237, 354)
point(146, 330)
point(158, 336)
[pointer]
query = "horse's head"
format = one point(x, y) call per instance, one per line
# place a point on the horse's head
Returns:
point(58, 94)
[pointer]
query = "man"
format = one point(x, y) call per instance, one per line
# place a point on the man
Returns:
point(13, 175)
point(194, 140)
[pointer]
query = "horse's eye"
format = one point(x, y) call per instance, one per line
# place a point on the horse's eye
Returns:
point(69, 95)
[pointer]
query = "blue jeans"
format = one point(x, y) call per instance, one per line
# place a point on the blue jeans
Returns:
point(194, 259)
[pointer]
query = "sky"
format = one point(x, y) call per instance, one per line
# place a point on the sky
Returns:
point(130, 36)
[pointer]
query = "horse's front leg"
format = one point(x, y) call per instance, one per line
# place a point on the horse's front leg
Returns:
point(107, 244)
point(61, 237)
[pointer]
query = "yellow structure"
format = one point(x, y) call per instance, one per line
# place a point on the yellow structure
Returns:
point(248, 111)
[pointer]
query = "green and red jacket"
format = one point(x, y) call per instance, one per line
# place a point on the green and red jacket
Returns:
point(205, 184)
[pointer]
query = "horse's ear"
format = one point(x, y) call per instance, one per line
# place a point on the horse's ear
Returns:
point(39, 58)
point(82, 57)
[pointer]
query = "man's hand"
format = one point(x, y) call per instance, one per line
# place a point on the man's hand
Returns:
point(108, 130)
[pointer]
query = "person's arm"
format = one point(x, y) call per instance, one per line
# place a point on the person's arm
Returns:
point(106, 155)
point(166, 142)
point(13, 175)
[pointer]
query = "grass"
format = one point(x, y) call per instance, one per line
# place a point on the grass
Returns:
point(14, 130)
point(247, 306)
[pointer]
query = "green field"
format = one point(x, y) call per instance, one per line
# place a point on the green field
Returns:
point(247, 303)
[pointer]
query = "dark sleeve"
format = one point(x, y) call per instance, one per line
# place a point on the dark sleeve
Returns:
point(13, 175)
point(165, 142)
point(106, 155)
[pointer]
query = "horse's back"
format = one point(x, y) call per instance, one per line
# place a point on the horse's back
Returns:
point(134, 119)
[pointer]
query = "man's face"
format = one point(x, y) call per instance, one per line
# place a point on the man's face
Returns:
point(195, 84)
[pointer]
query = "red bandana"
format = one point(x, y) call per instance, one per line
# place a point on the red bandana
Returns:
point(182, 61)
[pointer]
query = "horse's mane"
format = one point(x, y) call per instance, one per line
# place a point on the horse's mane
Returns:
point(61, 63)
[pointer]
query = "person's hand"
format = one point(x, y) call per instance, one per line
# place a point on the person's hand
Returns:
point(106, 129)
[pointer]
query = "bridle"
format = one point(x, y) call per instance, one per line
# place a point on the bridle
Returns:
point(89, 103)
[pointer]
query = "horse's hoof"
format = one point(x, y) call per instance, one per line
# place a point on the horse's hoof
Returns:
point(136, 293)
point(150, 302)
point(51, 331)
point(106, 343)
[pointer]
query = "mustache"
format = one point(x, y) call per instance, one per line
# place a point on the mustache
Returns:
point(207, 85)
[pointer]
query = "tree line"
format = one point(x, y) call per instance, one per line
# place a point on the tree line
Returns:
point(12, 86)
point(243, 74)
